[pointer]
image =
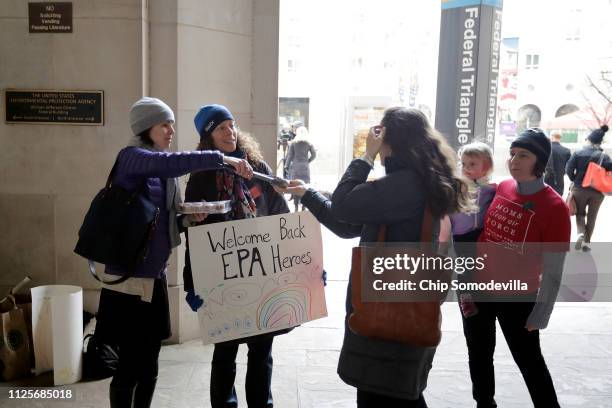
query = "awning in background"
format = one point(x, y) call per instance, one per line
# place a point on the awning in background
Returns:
point(582, 119)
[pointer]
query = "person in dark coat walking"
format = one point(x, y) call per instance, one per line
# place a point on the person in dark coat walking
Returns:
point(420, 172)
point(588, 200)
point(216, 127)
point(301, 153)
point(554, 174)
point(134, 315)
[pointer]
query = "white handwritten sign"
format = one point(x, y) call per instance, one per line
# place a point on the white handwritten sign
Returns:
point(257, 275)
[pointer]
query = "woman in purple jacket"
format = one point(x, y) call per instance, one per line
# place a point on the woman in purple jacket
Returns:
point(134, 315)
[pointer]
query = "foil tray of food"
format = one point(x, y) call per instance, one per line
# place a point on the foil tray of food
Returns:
point(208, 207)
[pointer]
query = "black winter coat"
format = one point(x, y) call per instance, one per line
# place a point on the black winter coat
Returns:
point(577, 165)
point(358, 208)
point(555, 169)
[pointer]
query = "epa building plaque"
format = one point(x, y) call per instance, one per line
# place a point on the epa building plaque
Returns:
point(55, 107)
point(50, 17)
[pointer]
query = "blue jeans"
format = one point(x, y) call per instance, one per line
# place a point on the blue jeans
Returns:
point(258, 377)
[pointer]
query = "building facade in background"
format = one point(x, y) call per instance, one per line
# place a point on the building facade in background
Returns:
point(352, 59)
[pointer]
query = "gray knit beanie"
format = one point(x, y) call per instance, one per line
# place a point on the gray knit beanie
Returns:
point(148, 112)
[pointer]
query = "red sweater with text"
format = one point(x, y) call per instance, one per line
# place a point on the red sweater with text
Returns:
point(513, 226)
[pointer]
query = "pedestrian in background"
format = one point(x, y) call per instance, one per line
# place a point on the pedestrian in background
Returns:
point(588, 200)
point(554, 174)
point(301, 153)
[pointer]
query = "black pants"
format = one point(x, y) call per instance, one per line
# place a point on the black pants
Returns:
point(367, 399)
point(524, 345)
point(137, 328)
point(138, 362)
point(258, 376)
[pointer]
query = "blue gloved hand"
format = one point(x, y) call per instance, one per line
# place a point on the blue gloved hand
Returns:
point(195, 302)
point(324, 278)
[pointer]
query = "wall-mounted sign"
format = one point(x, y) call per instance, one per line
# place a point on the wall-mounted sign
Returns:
point(58, 107)
point(50, 17)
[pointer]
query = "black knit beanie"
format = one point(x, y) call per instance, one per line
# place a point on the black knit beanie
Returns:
point(536, 141)
point(596, 136)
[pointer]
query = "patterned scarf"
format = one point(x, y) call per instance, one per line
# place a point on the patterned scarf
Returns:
point(234, 188)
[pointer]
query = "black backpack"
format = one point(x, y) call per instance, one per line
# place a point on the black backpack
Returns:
point(100, 360)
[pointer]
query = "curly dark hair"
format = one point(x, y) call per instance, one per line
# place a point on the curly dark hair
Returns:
point(245, 142)
point(413, 140)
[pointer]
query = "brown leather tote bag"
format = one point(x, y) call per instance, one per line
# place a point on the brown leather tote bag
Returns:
point(416, 323)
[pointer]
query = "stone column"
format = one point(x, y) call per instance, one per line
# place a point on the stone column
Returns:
point(186, 52)
point(213, 52)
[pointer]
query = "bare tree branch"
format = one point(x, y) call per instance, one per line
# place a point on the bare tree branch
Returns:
point(599, 101)
point(599, 90)
point(606, 78)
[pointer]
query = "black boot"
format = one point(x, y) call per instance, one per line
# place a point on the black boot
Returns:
point(121, 397)
point(144, 393)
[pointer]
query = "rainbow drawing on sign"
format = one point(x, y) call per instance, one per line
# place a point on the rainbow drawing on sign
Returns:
point(284, 307)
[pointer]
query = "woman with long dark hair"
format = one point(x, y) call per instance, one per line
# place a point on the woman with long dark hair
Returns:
point(216, 127)
point(420, 172)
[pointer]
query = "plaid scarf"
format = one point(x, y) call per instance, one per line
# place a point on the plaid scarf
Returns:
point(233, 187)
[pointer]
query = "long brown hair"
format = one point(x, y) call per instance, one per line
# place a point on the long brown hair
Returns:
point(244, 142)
point(414, 141)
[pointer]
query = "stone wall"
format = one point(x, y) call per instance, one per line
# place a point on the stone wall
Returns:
point(186, 52)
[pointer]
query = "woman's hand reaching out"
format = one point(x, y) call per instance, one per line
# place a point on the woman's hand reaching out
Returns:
point(295, 187)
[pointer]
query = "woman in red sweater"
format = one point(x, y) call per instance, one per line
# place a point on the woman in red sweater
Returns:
point(525, 237)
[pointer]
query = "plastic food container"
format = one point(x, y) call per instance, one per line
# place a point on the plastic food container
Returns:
point(209, 207)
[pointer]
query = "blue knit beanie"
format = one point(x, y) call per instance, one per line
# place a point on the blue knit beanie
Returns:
point(209, 117)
